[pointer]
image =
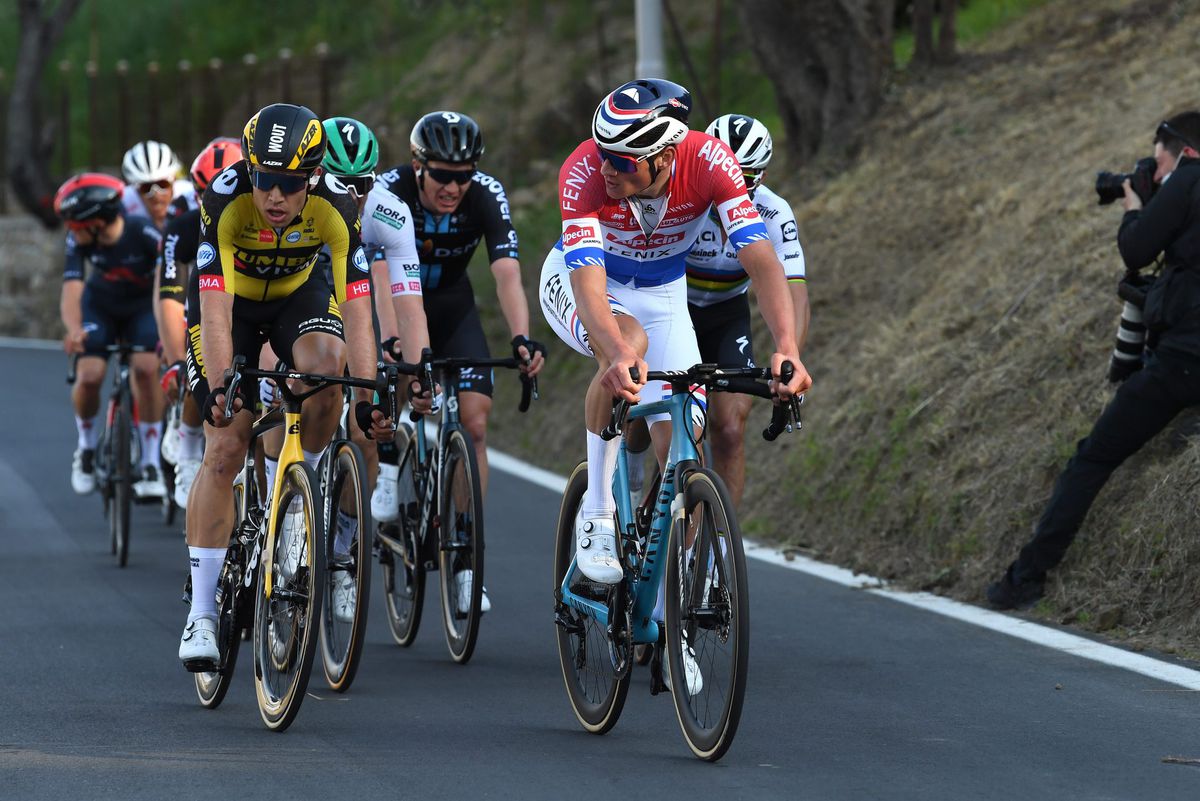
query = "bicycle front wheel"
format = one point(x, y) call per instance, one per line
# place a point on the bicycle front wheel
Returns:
point(596, 694)
point(460, 552)
point(348, 556)
point(708, 617)
point(286, 624)
point(122, 478)
point(404, 569)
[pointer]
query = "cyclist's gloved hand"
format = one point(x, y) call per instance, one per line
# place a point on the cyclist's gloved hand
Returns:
point(534, 354)
point(372, 420)
point(268, 392)
point(391, 349)
point(215, 402)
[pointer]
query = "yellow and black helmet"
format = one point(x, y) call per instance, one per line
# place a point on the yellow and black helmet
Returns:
point(284, 137)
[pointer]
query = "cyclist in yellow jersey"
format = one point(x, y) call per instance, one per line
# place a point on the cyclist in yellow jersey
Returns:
point(263, 222)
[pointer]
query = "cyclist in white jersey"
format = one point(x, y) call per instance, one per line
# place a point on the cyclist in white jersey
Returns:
point(633, 199)
point(717, 298)
point(154, 188)
point(388, 240)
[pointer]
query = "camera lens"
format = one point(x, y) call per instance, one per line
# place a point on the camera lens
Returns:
point(1108, 187)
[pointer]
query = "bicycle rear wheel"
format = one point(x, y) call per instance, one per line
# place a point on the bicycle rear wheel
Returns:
point(461, 547)
point(211, 686)
point(708, 617)
point(342, 634)
point(596, 694)
point(122, 478)
point(404, 569)
point(286, 624)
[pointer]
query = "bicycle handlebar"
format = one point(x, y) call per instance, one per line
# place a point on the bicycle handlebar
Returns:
point(122, 348)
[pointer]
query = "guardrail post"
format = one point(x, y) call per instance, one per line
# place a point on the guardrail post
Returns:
point(285, 75)
point(123, 102)
point(64, 117)
point(323, 78)
point(250, 62)
point(93, 72)
point(185, 106)
point(212, 100)
point(152, 101)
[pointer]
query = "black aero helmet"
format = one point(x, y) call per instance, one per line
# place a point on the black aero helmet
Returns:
point(284, 137)
point(446, 136)
point(87, 197)
point(642, 117)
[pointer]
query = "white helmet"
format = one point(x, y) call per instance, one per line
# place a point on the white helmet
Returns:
point(150, 161)
point(747, 137)
point(642, 117)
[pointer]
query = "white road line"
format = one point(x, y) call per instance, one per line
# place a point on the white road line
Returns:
point(32, 344)
point(994, 621)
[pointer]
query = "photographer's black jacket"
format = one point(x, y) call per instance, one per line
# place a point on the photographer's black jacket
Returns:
point(1170, 225)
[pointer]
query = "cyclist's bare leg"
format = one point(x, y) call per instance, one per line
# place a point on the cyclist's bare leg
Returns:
point(190, 415)
point(599, 403)
point(85, 394)
point(146, 390)
point(727, 413)
point(210, 513)
point(473, 410)
point(322, 354)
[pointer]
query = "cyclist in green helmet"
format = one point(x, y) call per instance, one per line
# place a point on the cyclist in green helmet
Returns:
point(388, 239)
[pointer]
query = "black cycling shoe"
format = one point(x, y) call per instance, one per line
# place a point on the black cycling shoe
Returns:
point(1011, 593)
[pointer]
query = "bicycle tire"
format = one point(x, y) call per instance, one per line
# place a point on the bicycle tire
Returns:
point(342, 643)
point(460, 545)
point(286, 630)
point(211, 686)
point(598, 698)
point(122, 478)
point(169, 507)
point(711, 607)
point(404, 571)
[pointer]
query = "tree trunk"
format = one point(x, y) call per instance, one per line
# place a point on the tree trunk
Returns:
point(947, 50)
point(922, 26)
point(828, 60)
point(29, 143)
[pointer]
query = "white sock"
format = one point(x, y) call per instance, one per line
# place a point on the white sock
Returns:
point(346, 527)
point(191, 442)
point(637, 471)
point(602, 463)
point(151, 434)
point(660, 603)
point(206, 570)
point(314, 459)
point(87, 432)
point(270, 467)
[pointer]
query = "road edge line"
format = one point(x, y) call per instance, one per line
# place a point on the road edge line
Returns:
point(998, 622)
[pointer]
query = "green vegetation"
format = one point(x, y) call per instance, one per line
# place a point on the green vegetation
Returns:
point(974, 21)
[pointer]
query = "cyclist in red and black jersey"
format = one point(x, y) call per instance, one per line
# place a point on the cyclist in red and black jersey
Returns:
point(455, 206)
point(113, 303)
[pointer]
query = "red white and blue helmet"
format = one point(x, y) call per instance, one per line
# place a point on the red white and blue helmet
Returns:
point(642, 117)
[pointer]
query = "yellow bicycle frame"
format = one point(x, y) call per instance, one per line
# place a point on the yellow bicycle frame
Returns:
point(289, 454)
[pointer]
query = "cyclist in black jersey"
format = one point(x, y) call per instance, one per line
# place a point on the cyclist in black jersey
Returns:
point(114, 303)
point(455, 206)
point(180, 243)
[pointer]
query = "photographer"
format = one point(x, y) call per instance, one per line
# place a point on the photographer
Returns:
point(1170, 381)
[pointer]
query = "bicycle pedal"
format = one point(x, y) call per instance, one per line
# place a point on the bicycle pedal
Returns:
point(201, 666)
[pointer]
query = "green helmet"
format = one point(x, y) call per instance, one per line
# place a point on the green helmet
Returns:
point(353, 149)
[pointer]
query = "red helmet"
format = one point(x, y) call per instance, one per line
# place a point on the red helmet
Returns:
point(220, 153)
point(89, 198)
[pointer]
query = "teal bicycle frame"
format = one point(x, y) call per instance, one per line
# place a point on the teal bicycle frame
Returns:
point(646, 571)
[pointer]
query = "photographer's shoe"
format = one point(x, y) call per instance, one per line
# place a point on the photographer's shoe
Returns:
point(1012, 593)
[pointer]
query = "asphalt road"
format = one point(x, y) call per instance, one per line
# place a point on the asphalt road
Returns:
point(851, 696)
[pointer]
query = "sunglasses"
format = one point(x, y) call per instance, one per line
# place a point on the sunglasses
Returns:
point(443, 176)
point(359, 184)
point(752, 177)
point(86, 226)
point(620, 162)
point(288, 183)
point(155, 187)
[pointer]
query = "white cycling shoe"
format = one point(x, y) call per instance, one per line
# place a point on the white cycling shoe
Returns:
point(465, 580)
point(185, 475)
point(171, 441)
point(292, 532)
point(693, 678)
point(385, 507)
point(596, 549)
point(345, 594)
point(83, 476)
point(198, 645)
point(151, 484)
